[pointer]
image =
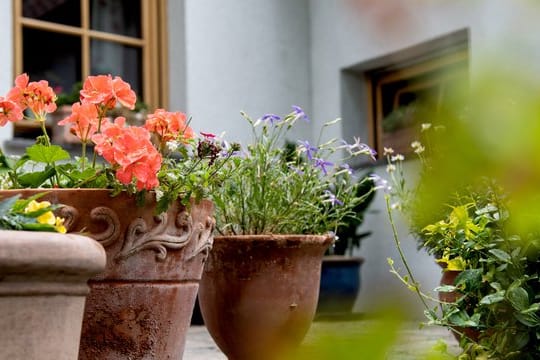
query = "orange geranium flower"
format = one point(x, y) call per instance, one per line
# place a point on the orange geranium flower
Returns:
point(106, 91)
point(129, 148)
point(84, 120)
point(98, 90)
point(38, 96)
point(9, 111)
point(123, 93)
point(169, 125)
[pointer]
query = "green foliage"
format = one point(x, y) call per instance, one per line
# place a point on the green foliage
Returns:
point(14, 214)
point(271, 189)
point(475, 208)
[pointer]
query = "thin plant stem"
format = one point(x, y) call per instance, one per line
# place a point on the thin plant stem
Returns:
point(402, 255)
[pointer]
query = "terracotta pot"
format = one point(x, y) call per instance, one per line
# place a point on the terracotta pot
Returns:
point(449, 278)
point(43, 287)
point(258, 294)
point(140, 306)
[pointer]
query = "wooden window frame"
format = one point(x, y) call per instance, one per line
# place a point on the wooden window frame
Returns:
point(153, 44)
point(420, 65)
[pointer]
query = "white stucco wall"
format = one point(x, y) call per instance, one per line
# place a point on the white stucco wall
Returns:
point(349, 33)
point(6, 60)
point(250, 55)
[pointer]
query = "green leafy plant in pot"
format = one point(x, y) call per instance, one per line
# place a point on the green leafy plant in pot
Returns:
point(275, 214)
point(489, 287)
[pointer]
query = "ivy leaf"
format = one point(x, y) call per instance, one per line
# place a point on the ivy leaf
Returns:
point(501, 255)
point(47, 154)
point(445, 288)
point(518, 297)
point(461, 318)
point(469, 280)
point(492, 298)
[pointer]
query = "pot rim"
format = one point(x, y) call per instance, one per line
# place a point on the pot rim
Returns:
point(304, 238)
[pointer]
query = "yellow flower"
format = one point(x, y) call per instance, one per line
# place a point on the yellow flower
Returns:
point(59, 225)
point(48, 217)
point(455, 264)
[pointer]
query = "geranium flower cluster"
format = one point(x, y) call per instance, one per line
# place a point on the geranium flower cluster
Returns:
point(128, 149)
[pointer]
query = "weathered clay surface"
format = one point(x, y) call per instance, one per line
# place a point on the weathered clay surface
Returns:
point(141, 305)
point(42, 292)
point(258, 294)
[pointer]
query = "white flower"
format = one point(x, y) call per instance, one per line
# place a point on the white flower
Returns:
point(425, 126)
point(390, 168)
point(159, 193)
point(172, 145)
point(388, 151)
point(416, 144)
point(397, 157)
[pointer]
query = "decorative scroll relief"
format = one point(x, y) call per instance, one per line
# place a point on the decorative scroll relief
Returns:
point(204, 238)
point(101, 214)
point(141, 236)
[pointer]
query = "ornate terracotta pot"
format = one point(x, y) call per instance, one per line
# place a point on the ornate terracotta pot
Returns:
point(140, 306)
point(258, 294)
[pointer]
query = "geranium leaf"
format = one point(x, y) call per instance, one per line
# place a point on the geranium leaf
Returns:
point(35, 179)
point(47, 154)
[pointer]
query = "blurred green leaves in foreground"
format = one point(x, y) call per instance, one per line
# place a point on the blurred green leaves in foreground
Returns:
point(378, 337)
point(491, 131)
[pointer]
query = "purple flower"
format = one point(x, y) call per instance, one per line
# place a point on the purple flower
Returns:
point(308, 148)
point(296, 170)
point(358, 146)
point(270, 118)
point(348, 168)
point(380, 183)
point(299, 113)
point(333, 199)
point(322, 164)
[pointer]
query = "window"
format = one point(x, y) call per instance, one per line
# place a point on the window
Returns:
point(63, 41)
point(402, 93)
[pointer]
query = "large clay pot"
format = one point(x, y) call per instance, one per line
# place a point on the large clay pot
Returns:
point(43, 287)
point(140, 306)
point(258, 294)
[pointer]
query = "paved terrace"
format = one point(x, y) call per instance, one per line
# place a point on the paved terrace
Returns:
point(355, 337)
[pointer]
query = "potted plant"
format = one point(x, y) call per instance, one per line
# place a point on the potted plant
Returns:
point(489, 288)
point(43, 282)
point(340, 273)
point(275, 214)
point(141, 194)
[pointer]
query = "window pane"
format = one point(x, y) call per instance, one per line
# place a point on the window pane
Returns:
point(53, 57)
point(116, 59)
point(67, 12)
point(121, 17)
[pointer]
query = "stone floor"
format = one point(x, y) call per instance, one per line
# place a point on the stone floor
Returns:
point(358, 339)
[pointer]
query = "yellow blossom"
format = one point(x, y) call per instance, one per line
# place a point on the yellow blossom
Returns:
point(47, 218)
point(59, 225)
